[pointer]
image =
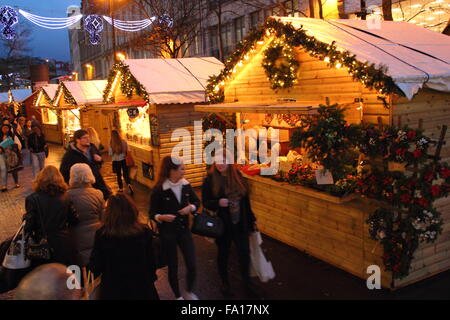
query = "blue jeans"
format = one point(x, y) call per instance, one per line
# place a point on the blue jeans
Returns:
point(38, 162)
point(3, 170)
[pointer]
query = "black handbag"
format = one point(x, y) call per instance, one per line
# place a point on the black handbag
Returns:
point(158, 252)
point(207, 225)
point(39, 249)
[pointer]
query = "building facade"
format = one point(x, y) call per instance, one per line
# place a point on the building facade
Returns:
point(236, 18)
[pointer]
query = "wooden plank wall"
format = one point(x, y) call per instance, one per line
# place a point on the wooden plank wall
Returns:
point(173, 117)
point(316, 81)
point(101, 121)
point(334, 233)
point(434, 109)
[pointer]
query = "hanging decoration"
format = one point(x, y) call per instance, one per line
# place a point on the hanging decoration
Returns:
point(51, 23)
point(130, 26)
point(370, 75)
point(8, 18)
point(280, 64)
point(165, 20)
point(93, 24)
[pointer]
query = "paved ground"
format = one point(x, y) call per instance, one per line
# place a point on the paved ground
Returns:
point(299, 276)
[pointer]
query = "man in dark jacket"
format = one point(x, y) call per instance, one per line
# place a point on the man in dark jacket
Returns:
point(82, 151)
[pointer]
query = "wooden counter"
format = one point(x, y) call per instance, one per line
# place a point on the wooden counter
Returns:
point(333, 229)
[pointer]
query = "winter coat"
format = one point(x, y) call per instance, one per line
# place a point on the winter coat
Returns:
point(57, 215)
point(211, 202)
point(127, 266)
point(89, 204)
point(36, 143)
point(163, 201)
point(73, 155)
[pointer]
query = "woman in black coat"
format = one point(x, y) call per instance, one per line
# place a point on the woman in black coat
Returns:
point(225, 192)
point(49, 214)
point(172, 200)
point(123, 253)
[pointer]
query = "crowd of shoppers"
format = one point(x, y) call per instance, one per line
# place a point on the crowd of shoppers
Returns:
point(21, 143)
point(74, 214)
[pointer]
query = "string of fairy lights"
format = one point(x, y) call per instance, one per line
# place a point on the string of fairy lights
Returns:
point(93, 24)
point(285, 35)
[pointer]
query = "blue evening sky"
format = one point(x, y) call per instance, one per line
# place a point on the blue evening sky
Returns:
point(46, 44)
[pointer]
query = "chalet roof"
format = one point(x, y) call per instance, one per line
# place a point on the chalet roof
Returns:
point(168, 81)
point(415, 57)
point(85, 92)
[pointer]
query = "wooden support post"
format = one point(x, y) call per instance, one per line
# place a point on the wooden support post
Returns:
point(437, 155)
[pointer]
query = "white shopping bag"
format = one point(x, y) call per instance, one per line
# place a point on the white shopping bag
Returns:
point(15, 257)
point(259, 266)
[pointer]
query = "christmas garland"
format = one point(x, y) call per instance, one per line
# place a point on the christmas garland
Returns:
point(128, 84)
point(408, 217)
point(68, 98)
point(368, 74)
point(282, 74)
point(397, 145)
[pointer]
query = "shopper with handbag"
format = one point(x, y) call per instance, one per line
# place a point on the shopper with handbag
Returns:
point(49, 214)
point(172, 200)
point(118, 149)
point(225, 192)
point(37, 145)
point(10, 157)
point(123, 253)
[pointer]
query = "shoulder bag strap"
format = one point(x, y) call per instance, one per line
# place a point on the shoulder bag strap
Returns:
point(39, 212)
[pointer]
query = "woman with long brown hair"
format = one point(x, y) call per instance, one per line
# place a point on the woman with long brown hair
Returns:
point(49, 213)
point(123, 253)
point(118, 150)
point(224, 191)
point(172, 200)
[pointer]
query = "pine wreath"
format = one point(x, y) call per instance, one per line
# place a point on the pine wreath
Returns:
point(280, 64)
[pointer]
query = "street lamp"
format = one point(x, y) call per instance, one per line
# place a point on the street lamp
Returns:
point(120, 56)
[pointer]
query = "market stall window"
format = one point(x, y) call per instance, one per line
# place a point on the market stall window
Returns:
point(135, 124)
point(49, 116)
point(71, 120)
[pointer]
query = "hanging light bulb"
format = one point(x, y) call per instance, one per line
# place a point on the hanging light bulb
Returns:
point(338, 65)
point(327, 59)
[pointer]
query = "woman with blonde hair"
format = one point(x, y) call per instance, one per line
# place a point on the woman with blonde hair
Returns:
point(49, 213)
point(118, 150)
point(89, 204)
point(94, 139)
point(123, 253)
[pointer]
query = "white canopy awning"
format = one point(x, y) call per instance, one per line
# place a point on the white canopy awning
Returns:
point(170, 81)
point(86, 92)
point(19, 95)
point(4, 97)
point(415, 57)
